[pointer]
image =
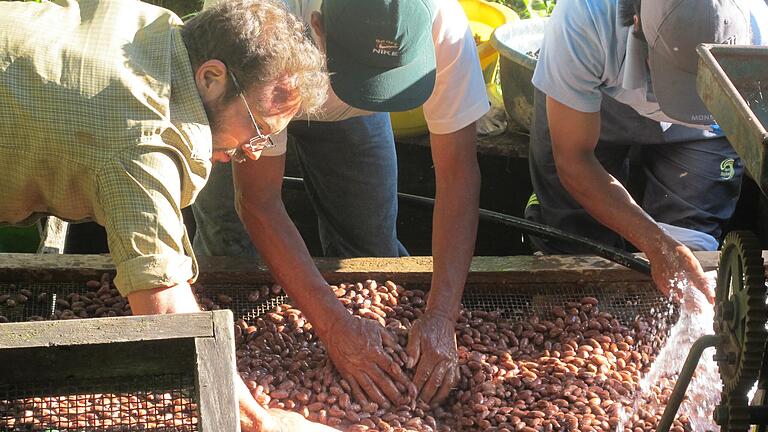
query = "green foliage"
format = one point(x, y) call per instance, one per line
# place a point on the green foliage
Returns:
point(529, 8)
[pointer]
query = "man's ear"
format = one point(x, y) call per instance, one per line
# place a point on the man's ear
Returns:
point(211, 79)
point(316, 21)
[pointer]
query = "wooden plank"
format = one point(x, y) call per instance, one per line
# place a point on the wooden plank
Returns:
point(217, 401)
point(97, 368)
point(106, 330)
point(235, 270)
point(17, 267)
point(418, 270)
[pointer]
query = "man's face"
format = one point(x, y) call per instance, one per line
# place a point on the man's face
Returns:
point(271, 107)
point(232, 127)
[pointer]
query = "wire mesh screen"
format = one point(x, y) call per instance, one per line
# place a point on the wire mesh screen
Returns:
point(513, 302)
point(36, 301)
point(148, 403)
point(44, 301)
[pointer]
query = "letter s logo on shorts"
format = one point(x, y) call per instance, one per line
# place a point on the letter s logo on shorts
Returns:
point(726, 169)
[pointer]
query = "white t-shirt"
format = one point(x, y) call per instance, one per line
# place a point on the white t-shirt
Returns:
point(459, 97)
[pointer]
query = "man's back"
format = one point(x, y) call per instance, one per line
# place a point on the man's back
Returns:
point(82, 83)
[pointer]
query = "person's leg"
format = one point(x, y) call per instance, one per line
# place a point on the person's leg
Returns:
point(219, 229)
point(693, 184)
point(350, 173)
point(552, 204)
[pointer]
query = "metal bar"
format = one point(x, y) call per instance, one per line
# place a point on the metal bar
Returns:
point(678, 393)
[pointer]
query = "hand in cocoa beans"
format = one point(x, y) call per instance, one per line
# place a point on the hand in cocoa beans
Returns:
point(674, 263)
point(356, 347)
point(287, 421)
point(253, 418)
point(432, 348)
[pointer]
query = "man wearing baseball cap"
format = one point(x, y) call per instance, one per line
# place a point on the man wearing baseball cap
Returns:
point(620, 75)
point(383, 55)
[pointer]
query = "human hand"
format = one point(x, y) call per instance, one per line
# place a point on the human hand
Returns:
point(673, 263)
point(432, 346)
point(356, 347)
point(253, 417)
point(287, 421)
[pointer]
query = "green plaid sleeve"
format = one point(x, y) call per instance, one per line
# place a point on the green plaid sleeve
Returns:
point(140, 192)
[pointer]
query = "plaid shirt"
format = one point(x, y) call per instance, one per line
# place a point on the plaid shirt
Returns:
point(100, 119)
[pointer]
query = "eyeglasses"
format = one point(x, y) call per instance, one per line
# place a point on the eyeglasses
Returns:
point(260, 141)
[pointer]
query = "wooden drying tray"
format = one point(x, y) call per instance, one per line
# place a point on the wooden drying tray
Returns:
point(223, 270)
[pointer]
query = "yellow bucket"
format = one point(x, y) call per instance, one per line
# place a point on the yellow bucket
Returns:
point(484, 17)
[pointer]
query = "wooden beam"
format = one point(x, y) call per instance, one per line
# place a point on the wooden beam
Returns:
point(106, 330)
point(18, 267)
point(235, 270)
point(216, 369)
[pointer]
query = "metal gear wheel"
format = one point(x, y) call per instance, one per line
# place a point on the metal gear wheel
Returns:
point(740, 314)
point(732, 415)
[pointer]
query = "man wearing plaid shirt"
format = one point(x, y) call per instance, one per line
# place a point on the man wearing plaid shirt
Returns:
point(112, 111)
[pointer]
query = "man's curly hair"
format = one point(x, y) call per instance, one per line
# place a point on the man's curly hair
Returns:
point(262, 43)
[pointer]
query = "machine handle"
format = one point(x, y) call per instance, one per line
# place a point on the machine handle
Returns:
point(684, 379)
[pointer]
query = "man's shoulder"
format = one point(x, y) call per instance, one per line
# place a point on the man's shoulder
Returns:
point(601, 12)
point(592, 25)
point(121, 10)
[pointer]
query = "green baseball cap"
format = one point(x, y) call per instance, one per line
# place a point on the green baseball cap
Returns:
point(380, 52)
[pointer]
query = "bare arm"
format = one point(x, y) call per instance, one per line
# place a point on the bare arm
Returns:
point(457, 202)
point(574, 138)
point(125, 222)
point(258, 188)
point(432, 342)
point(355, 346)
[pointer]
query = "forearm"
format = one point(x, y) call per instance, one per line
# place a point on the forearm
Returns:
point(575, 135)
point(283, 250)
point(175, 299)
point(455, 219)
point(606, 199)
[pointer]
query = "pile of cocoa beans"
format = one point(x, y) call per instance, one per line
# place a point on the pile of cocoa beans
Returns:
point(140, 411)
point(161, 412)
point(98, 299)
point(570, 369)
point(567, 368)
